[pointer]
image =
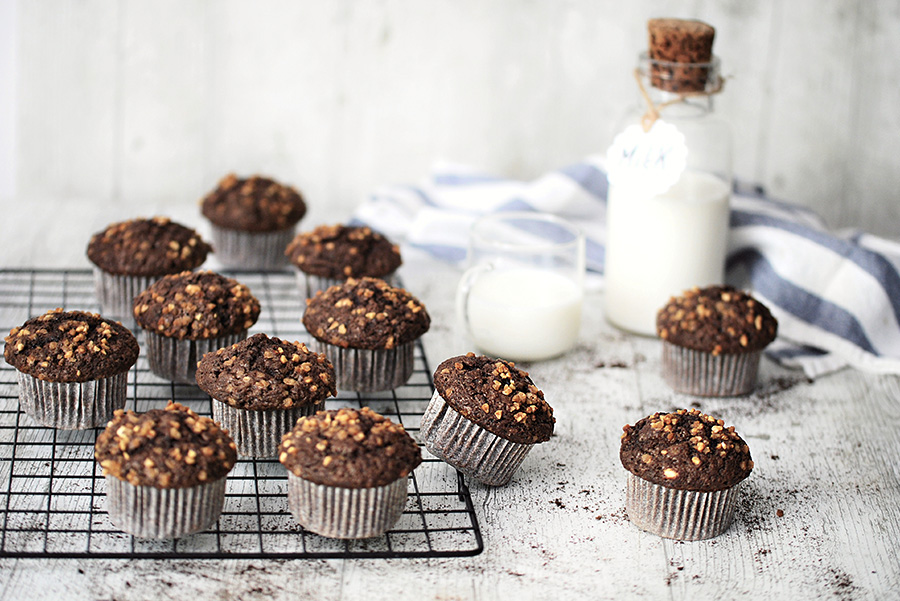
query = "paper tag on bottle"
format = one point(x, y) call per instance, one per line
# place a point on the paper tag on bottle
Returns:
point(649, 161)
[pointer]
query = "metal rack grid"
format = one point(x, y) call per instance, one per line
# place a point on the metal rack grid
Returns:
point(52, 493)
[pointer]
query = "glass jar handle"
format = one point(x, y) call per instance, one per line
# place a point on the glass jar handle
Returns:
point(462, 293)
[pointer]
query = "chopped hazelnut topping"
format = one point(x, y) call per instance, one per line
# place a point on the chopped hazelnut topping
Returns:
point(350, 448)
point(718, 320)
point(686, 450)
point(484, 386)
point(164, 448)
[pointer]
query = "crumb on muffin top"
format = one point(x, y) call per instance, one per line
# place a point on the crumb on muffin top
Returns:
point(365, 313)
point(349, 448)
point(342, 251)
point(497, 396)
point(261, 373)
point(147, 247)
point(71, 346)
point(196, 305)
point(254, 204)
point(685, 450)
point(165, 448)
point(717, 320)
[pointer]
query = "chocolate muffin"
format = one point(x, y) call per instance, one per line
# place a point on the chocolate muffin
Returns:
point(713, 339)
point(130, 255)
point(484, 417)
point(330, 254)
point(681, 53)
point(348, 472)
point(261, 386)
point(165, 471)
point(186, 315)
point(684, 470)
point(252, 221)
point(72, 367)
point(368, 329)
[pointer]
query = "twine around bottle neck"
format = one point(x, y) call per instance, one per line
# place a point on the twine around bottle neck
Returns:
point(652, 114)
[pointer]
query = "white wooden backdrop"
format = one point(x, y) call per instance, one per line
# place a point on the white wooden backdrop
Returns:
point(147, 103)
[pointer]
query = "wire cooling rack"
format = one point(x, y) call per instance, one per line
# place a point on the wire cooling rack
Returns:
point(53, 496)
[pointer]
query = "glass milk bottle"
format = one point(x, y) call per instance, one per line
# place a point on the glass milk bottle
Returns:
point(668, 205)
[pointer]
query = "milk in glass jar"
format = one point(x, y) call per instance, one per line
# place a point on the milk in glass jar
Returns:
point(670, 179)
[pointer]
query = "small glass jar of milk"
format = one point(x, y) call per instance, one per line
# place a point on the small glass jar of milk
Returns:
point(670, 180)
point(521, 296)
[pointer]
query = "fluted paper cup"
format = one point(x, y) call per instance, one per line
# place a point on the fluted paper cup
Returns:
point(159, 513)
point(338, 512)
point(257, 433)
point(251, 250)
point(468, 447)
point(116, 293)
point(679, 514)
point(703, 374)
point(176, 360)
point(72, 405)
point(364, 370)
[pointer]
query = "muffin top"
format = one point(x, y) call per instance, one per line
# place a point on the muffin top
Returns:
point(255, 204)
point(196, 305)
point(266, 373)
point(147, 247)
point(349, 448)
point(497, 396)
point(71, 346)
point(717, 320)
point(341, 252)
point(367, 313)
point(164, 448)
point(685, 450)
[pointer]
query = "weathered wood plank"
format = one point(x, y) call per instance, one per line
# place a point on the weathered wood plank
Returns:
point(155, 103)
point(161, 135)
point(67, 99)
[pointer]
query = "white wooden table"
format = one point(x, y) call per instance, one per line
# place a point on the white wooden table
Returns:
point(827, 456)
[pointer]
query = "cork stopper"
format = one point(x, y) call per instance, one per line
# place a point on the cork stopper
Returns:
point(680, 53)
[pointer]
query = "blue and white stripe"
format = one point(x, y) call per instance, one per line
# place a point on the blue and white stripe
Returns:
point(836, 295)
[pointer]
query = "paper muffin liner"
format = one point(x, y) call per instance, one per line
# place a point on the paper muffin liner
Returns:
point(257, 433)
point(468, 447)
point(679, 514)
point(176, 360)
point(338, 512)
point(72, 405)
point(149, 512)
point(364, 370)
point(116, 293)
point(704, 374)
point(310, 284)
point(252, 250)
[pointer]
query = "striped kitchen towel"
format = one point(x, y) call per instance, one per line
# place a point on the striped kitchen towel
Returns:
point(836, 295)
